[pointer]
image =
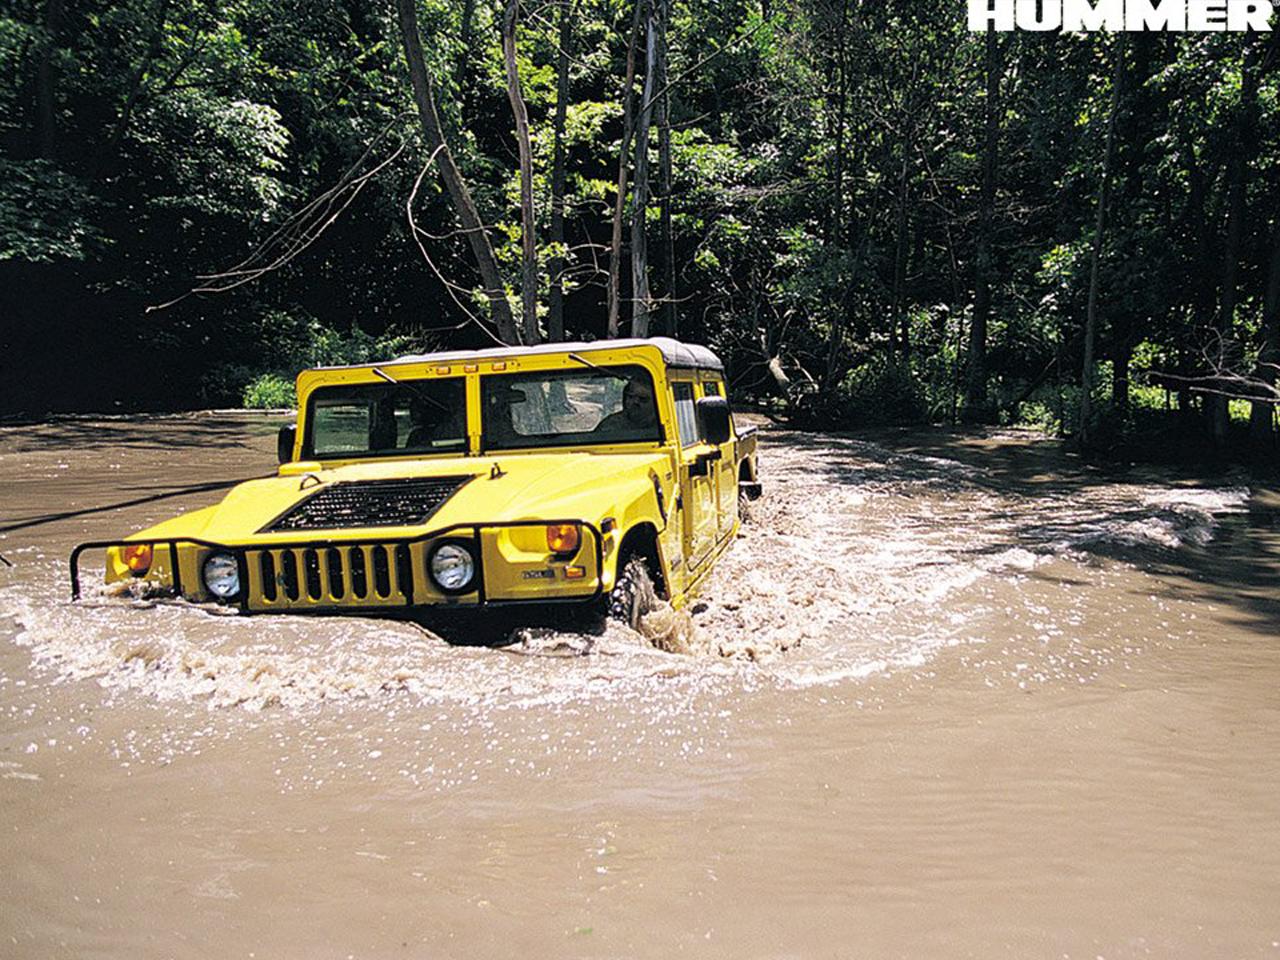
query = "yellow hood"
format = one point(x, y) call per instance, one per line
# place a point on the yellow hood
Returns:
point(494, 489)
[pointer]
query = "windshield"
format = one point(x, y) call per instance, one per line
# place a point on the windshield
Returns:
point(558, 408)
point(377, 419)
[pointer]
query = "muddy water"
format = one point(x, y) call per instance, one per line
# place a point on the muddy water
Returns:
point(953, 698)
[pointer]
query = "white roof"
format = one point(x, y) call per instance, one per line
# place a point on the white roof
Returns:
point(674, 353)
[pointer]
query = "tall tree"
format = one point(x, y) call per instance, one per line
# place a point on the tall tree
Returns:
point(1238, 169)
point(466, 63)
point(984, 265)
point(663, 106)
point(159, 19)
point(556, 265)
point(898, 300)
point(1095, 257)
point(1262, 413)
point(47, 78)
point(463, 204)
point(528, 221)
point(624, 158)
point(641, 296)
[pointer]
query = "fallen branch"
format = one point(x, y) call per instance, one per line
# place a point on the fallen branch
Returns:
point(298, 232)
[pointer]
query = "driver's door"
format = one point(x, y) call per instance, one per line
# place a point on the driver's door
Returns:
point(697, 480)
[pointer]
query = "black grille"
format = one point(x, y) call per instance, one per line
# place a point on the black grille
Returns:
point(306, 583)
point(378, 503)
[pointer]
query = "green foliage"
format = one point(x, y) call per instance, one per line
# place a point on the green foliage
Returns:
point(270, 391)
point(45, 213)
point(278, 344)
point(1040, 415)
point(229, 156)
point(1053, 409)
point(880, 393)
point(326, 347)
point(826, 201)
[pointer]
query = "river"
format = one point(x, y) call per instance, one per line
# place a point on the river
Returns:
point(948, 696)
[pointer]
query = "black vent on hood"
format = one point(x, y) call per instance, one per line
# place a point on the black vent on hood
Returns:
point(375, 503)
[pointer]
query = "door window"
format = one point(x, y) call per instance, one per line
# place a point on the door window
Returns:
point(686, 413)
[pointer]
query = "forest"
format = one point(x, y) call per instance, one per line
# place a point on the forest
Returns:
point(873, 214)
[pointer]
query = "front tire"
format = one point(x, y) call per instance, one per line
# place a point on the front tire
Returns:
point(633, 595)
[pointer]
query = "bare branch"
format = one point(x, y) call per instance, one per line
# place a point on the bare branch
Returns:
point(297, 233)
point(450, 287)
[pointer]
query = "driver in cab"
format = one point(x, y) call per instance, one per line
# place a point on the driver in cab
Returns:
point(638, 416)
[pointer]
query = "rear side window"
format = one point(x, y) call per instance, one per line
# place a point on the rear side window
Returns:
point(686, 413)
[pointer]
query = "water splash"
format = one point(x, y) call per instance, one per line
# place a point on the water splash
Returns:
point(847, 568)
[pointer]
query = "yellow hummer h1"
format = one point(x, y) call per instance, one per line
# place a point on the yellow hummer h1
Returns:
point(467, 480)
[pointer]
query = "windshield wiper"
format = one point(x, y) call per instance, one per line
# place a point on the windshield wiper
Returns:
point(594, 366)
point(418, 391)
point(613, 372)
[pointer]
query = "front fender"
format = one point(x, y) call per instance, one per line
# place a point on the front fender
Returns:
point(617, 507)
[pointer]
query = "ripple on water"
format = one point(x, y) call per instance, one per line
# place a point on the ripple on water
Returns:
point(840, 573)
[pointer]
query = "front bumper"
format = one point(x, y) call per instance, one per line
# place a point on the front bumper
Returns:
point(373, 575)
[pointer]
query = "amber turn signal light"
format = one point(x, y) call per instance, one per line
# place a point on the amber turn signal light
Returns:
point(563, 537)
point(137, 557)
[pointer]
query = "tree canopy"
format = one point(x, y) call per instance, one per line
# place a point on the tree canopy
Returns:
point(871, 212)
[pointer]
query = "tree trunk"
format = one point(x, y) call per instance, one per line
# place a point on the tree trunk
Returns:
point(671, 325)
point(528, 223)
point(840, 67)
point(898, 301)
point(1237, 185)
point(1262, 415)
point(1200, 300)
point(47, 80)
point(1121, 361)
point(459, 193)
point(1095, 261)
point(976, 373)
point(462, 72)
point(620, 199)
point(642, 299)
point(555, 318)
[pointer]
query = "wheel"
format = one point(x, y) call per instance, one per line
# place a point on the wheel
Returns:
point(633, 595)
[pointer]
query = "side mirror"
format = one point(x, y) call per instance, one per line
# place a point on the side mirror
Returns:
point(284, 442)
point(713, 415)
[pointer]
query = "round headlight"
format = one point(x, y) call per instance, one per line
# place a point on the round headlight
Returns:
point(452, 567)
point(222, 575)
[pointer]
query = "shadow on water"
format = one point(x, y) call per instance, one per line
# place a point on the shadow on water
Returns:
point(576, 625)
point(1054, 497)
point(1239, 571)
point(187, 432)
point(165, 493)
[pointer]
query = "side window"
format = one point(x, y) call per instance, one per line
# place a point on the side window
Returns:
point(686, 413)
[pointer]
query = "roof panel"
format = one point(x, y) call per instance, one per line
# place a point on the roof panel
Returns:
point(674, 353)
